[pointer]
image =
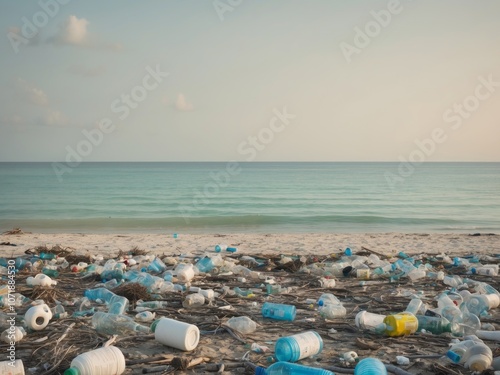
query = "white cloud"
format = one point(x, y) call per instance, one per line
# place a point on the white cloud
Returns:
point(182, 103)
point(74, 31)
point(32, 94)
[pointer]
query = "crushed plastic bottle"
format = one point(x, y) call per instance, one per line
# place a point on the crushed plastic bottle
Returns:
point(242, 324)
point(117, 304)
point(113, 324)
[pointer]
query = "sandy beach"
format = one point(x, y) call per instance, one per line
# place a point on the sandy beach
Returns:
point(220, 351)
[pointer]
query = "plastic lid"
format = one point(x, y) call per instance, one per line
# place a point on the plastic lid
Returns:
point(260, 371)
point(453, 356)
point(72, 371)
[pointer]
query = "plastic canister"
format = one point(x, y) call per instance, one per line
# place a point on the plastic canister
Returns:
point(369, 321)
point(37, 317)
point(296, 347)
point(401, 324)
point(102, 361)
point(279, 311)
point(179, 335)
point(12, 367)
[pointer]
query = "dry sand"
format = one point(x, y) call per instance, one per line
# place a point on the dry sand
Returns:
point(339, 336)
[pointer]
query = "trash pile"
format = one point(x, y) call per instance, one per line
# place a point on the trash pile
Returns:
point(227, 312)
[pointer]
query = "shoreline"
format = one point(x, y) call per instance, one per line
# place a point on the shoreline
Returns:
point(389, 244)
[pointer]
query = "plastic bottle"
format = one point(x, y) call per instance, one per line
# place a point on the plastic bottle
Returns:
point(296, 347)
point(220, 247)
point(370, 366)
point(242, 324)
point(370, 321)
point(12, 368)
point(481, 303)
point(40, 280)
point(50, 272)
point(102, 361)
point(151, 304)
point(400, 324)
point(157, 266)
point(332, 311)
point(47, 256)
point(243, 293)
point(279, 311)
point(117, 304)
point(414, 306)
point(145, 316)
point(433, 324)
point(185, 272)
point(453, 280)
point(193, 300)
point(465, 324)
point(113, 324)
point(38, 317)
point(205, 265)
point(286, 368)
point(328, 299)
point(473, 354)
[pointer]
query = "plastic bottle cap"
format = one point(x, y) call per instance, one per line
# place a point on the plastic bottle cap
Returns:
point(453, 356)
point(72, 371)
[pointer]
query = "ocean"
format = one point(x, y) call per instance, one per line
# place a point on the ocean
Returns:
point(271, 197)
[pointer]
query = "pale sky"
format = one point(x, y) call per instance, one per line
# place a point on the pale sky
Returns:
point(259, 80)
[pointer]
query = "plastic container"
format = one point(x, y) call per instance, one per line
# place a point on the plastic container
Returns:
point(480, 304)
point(13, 334)
point(473, 354)
point(179, 335)
point(465, 324)
point(453, 280)
point(40, 280)
point(400, 324)
point(333, 312)
point(433, 324)
point(145, 316)
point(286, 368)
point(328, 299)
point(185, 272)
point(113, 324)
point(193, 300)
point(50, 272)
point(296, 347)
point(242, 324)
point(370, 366)
point(205, 265)
point(279, 311)
point(38, 317)
point(12, 367)
point(220, 247)
point(157, 266)
point(414, 306)
point(369, 321)
point(102, 361)
point(116, 304)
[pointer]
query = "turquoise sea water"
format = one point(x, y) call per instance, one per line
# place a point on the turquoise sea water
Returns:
point(251, 197)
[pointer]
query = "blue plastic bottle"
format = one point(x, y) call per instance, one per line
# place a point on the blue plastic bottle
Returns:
point(117, 304)
point(157, 266)
point(370, 366)
point(286, 368)
point(296, 347)
point(278, 311)
point(205, 265)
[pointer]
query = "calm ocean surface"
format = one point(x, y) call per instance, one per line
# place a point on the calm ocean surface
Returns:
point(254, 197)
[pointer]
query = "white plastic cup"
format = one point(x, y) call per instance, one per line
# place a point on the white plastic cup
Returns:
point(369, 321)
point(37, 317)
point(12, 368)
point(179, 335)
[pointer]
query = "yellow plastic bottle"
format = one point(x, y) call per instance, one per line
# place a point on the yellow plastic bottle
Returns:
point(401, 324)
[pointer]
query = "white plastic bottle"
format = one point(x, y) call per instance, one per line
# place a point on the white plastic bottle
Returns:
point(102, 361)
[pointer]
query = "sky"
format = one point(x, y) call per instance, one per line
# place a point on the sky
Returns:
point(259, 80)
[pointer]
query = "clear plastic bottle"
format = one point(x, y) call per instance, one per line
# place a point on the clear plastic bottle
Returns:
point(157, 266)
point(279, 311)
point(287, 368)
point(205, 265)
point(296, 347)
point(328, 299)
point(113, 324)
point(453, 280)
point(242, 324)
point(193, 300)
point(481, 303)
point(370, 366)
point(102, 361)
point(473, 354)
point(333, 312)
